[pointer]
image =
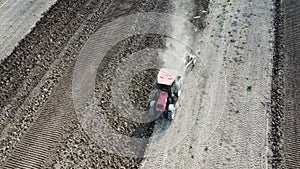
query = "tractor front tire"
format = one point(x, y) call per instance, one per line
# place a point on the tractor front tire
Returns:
point(152, 104)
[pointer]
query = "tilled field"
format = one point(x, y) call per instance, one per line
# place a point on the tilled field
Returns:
point(284, 134)
point(38, 123)
point(277, 90)
point(291, 121)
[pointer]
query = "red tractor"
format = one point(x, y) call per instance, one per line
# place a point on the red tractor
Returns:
point(169, 84)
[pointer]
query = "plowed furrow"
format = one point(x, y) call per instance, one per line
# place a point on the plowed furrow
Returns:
point(46, 130)
point(291, 130)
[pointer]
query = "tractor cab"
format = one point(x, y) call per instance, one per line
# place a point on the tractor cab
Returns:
point(168, 81)
point(168, 90)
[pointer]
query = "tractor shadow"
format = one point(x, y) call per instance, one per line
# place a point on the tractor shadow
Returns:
point(162, 125)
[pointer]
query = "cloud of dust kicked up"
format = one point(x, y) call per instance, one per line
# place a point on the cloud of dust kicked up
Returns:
point(174, 55)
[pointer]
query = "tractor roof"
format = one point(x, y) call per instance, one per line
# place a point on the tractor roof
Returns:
point(166, 76)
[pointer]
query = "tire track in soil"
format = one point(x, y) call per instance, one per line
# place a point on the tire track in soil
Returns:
point(28, 63)
point(43, 134)
point(37, 127)
point(249, 141)
point(56, 118)
point(23, 114)
point(102, 89)
point(291, 120)
point(34, 148)
point(162, 159)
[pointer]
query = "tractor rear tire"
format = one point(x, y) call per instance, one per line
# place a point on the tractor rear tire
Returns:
point(179, 93)
point(171, 115)
point(171, 112)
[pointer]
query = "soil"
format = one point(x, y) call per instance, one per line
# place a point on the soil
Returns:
point(289, 130)
point(238, 108)
point(276, 120)
point(17, 20)
point(229, 124)
point(33, 100)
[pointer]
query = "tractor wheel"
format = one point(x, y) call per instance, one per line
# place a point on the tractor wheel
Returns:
point(171, 112)
point(164, 114)
point(179, 92)
point(152, 104)
point(171, 115)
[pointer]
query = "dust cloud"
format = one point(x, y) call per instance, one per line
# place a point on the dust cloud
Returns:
point(174, 55)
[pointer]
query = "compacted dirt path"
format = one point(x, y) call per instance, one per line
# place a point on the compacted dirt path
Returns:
point(16, 20)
